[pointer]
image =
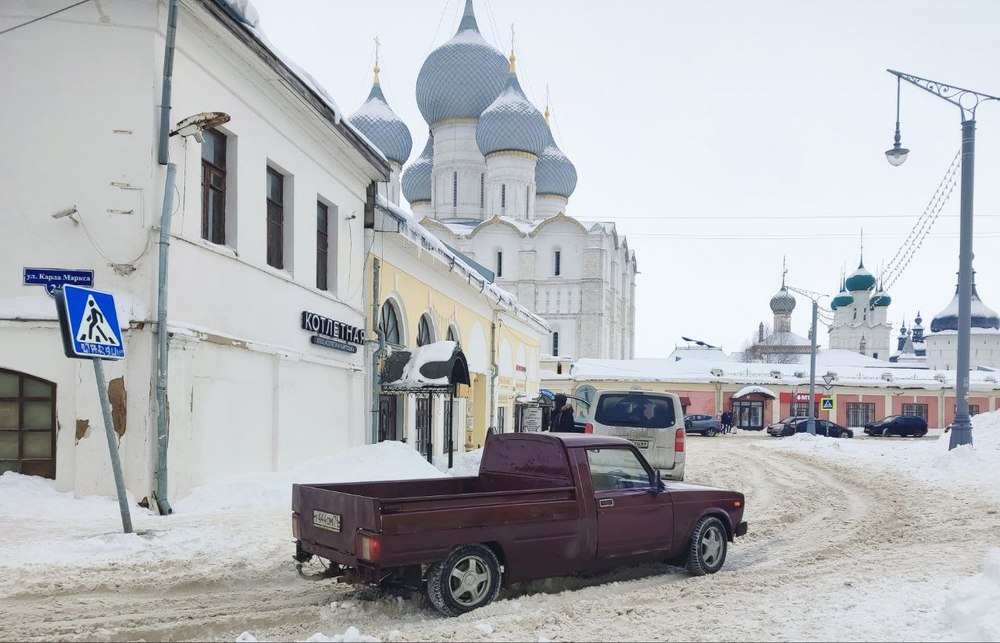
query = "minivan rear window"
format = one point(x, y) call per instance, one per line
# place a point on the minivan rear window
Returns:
point(635, 409)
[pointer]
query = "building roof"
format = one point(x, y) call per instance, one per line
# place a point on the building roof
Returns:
point(554, 172)
point(511, 123)
point(984, 319)
point(416, 179)
point(783, 301)
point(376, 120)
point(860, 280)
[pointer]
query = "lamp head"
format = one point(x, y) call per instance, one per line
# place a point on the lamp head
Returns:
point(195, 125)
point(897, 155)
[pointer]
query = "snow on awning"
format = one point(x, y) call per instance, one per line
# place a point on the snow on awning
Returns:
point(439, 365)
point(749, 390)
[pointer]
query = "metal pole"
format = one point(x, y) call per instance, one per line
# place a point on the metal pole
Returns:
point(811, 424)
point(961, 430)
point(116, 463)
point(451, 428)
point(162, 344)
point(378, 352)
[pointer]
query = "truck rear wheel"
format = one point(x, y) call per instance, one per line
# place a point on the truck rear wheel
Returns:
point(708, 547)
point(467, 579)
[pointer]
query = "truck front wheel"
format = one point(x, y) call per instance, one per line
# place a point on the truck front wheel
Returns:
point(708, 547)
point(467, 579)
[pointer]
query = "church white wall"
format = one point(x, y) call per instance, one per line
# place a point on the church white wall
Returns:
point(456, 151)
point(510, 184)
point(549, 205)
point(942, 350)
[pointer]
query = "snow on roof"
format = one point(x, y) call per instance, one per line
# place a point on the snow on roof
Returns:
point(749, 390)
point(852, 369)
point(427, 240)
point(245, 13)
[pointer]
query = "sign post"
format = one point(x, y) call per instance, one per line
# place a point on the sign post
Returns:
point(89, 324)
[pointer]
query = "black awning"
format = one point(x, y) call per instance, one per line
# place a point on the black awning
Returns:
point(439, 364)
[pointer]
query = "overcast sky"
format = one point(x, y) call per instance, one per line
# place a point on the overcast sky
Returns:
point(720, 136)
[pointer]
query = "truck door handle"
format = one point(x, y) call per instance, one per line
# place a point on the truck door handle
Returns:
point(606, 502)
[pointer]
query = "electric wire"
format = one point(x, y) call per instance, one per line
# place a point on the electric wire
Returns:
point(48, 15)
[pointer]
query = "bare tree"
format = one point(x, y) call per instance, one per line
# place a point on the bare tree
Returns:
point(767, 347)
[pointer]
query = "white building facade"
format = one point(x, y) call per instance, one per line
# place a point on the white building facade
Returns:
point(266, 212)
point(860, 316)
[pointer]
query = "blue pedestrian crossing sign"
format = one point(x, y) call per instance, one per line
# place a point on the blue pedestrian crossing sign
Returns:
point(826, 404)
point(89, 323)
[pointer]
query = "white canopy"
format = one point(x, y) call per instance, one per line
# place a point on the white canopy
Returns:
point(747, 390)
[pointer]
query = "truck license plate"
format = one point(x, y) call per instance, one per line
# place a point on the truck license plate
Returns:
point(328, 521)
point(642, 444)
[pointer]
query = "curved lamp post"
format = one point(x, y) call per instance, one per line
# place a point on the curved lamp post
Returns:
point(967, 102)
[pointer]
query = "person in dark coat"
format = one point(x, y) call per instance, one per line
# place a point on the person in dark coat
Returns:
point(561, 418)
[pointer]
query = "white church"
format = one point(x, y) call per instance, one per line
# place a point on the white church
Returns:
point(493, 185)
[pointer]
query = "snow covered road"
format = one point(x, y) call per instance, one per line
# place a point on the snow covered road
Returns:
point(835, 551)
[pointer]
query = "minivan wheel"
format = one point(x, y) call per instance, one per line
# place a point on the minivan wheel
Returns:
point(707, 552)
point(467, 579)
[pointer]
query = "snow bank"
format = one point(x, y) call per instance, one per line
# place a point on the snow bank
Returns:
point(972, 604)
point(463, 464)
point(383, 461)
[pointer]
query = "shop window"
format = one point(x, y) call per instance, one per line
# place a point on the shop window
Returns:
point(27, 425)
point(388, 324)
point(860, 413)
point(920, 410)
point(424, 334)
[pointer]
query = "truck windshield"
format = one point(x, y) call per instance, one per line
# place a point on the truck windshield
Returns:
point(635, 409)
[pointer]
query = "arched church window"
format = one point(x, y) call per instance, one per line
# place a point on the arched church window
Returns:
point(454, 189)
point(482, 190)
point(388, 323)
point(453, 335)
point(555, 344)
point(424, 335)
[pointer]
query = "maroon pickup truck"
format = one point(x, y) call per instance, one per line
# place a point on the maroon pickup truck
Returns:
point(543, 504)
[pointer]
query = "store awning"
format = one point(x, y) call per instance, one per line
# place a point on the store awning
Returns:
point(750, 390)
point(685, 401)
point(439, 365)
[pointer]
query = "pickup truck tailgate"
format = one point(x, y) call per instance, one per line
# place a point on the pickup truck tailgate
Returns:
point(333, 517)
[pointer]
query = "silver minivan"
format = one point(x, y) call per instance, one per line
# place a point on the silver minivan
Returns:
point(653, 421)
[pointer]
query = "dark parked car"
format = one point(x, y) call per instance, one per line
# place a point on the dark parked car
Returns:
point(703, 424)
point(791, 426)
point(904, 425)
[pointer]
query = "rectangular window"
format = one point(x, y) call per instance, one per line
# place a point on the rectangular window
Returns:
point(503, 196)
point(558, 266)
point(501, 418)
point(973, 409)
point(499, 263)
point(213, 187)
point(860, 413)
point(322, 245)
point(482, 190)
point(275, 218)
point(800, 409)
point(920, 410)
point(555, 344)
point(423, 425)
point(454, 189)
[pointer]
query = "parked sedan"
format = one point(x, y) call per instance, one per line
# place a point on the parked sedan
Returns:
point(903, 425)
point(703, 424)
point(778, 428)
point(801, 425)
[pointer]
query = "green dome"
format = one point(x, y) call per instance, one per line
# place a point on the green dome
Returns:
point(860, 280)
point(881, 300)
point(843, 299)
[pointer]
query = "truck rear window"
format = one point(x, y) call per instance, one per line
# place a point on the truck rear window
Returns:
point(635, 409)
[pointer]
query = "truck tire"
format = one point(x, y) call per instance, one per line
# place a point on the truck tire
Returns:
point(467, 579)
point(707, 552)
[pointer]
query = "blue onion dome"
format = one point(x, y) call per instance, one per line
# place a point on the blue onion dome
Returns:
point(982, 317)
point(511, 123)
point(860, 279)
point(376, 120)
point(843, 299)
point(416, 179)
point(461, 78)
point(783, 301)
point(554, 173)
point(881, 298)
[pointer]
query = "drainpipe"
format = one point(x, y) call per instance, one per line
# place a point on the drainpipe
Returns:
point(377, 354)
point(162, 408)
point(494, 370)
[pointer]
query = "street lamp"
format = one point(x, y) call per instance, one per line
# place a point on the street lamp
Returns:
point(814, 296)
point(967, 102)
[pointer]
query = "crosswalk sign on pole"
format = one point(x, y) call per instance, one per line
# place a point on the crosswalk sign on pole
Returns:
point(826, 404)
point(89, 323)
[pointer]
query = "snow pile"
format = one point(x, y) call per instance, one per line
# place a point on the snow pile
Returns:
point(971, 605)
point(383, 461)
point(463, 464)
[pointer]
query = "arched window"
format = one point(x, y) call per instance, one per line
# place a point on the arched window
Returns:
point(424, 334)
point(482, 190)
point(27, 425)
point(454, 189)
point(503, 196)
point(388, 324)
point(555, 344)
point(453, 335)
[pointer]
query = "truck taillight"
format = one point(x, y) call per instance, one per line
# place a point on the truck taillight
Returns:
point(589, 428)
point(679, 441)
point(368, 547)
point(296, 527)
